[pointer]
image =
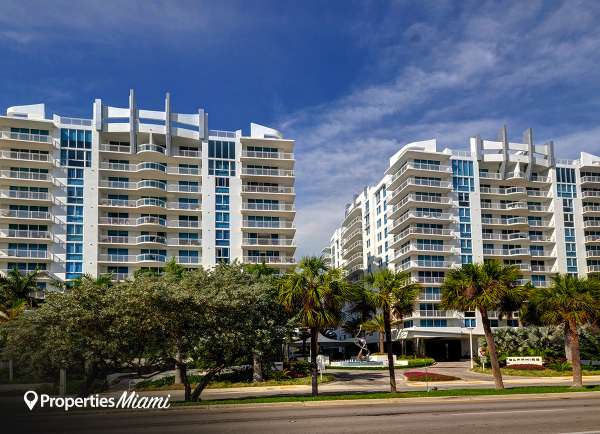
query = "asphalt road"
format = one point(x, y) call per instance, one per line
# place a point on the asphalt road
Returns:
point(573, 413)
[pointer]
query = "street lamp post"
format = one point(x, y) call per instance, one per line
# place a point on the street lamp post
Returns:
point(471, 343)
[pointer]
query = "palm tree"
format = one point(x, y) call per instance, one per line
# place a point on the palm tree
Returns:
point(19, 285)
point(376, 324)
point(572, 302)
point(485, 287)
point(394, 294)
point(315, 295)
point(12, 311)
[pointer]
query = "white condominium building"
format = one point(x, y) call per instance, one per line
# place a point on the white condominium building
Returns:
point(436, 209)
point(130, 189)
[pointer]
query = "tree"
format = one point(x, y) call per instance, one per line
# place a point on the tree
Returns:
point(572, 302)
point(315, 295)
point(376, 324)
point(18, 285)
point(485, 287)
point(394, 294)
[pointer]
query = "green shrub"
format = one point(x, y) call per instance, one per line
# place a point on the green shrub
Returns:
point(301, 367)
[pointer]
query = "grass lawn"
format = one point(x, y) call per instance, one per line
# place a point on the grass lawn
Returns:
point(387, 395)
point(535, 373)
point(160, 385)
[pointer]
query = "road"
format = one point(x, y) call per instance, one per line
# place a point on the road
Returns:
point(565, 413)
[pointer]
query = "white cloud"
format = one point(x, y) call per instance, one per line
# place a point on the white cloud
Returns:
point(468, 71)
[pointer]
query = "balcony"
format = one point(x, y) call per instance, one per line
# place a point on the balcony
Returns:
point(430, 280)
point(504, 222)
point(510, 191)
point(120, 149)
point(425, 248)
point(517, 236)
point(26, 254)
point(192, 242)
point(150, 166)
point(445, 265)
point(280, 224)
point(591, 194)
point(149, 147)
point(26, 215)
point(25, 175)
point(592, 223)
point(26, 156)
point(188, 260)
point(412, 184)
point(16, 233)
point(267, 155)
point(498, 206)
point(590, 179)
point(187, 153)
point(149, 184)
point(270, 242)
point(284, 260)
point(268, 172)
point(507, 252)
point(592, 239)
point(420, 217)
point(355, 246)
point(24, 137)
point(490, 175)
point(265, 189)
point(144, 257)
point(592, 253)
point(413, 200)
point(283, 207)
point(419, 169)
point(593, 268)
point(424, 296)
point(351, 237)
point(591, 209)
point(541, 269)
point(25, 195)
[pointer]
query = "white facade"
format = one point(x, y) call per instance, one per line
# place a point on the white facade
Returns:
point(437, 208)
point(131, 188)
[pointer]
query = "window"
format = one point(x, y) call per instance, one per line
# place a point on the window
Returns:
point(220, 149)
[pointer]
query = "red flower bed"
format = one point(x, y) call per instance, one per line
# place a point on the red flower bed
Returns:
point(526, 367)
point(428, 376)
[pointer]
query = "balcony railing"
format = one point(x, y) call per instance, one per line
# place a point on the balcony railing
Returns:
point(22, 194)
point(590, 193)
point(268, 241)
point(107, 147)
point(506, 252)
point(503, 191)
point(39, 138)
point(268, 155)
point(185, 241)
point(505, 237)
point(503, 206)
point(585, 179)
point(424, 264)
point(24, 253)
point(269, 259)
point(152, 148)
point(25, 156)
point(187, 259)
point(16, 233)
point(268, 206)
point(22, 214)
point(21, 174)
point(266, 172)
point(189, 153)
point(501, 221)
point(285, 224)
point(267, 189)
point(423, 231)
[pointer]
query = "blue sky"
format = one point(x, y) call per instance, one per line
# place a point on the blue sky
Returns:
point(350, 81)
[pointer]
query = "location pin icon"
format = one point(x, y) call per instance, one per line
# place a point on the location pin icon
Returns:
point(30, 399)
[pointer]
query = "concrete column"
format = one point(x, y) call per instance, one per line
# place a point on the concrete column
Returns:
point(132, 122)
point(168, 124)
point(504, 140)
point(528, 138)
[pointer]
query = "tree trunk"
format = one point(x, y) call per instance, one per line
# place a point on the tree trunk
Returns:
point(177, 369)
point(206, 378)
point(388, 337)
point(304, 349)
point(257, 375)
point(381, 342)
point(314, 336)
point(90, 376)
point(568, 344)
point(575, 356)
point(489, 338)
point(187, 388)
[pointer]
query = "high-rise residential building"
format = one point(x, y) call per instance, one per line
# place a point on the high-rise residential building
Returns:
point(435, 209)
point(131, 188)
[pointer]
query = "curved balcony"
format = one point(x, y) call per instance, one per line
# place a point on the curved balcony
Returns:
point(507, 252)
point(590, 179)
point(150, 166)
point(416, 200)
point(268, 207)
point(417, 184)
point(351, 226)
point(266, 189)
point(514, 221)
point(499, 206)
point(592, 239)
point(420, 217)
point(149, 147)
point(593, 268)
point(418, 169)
point(503, 192)
point(414, 264)
point(351, 237)
point(415, 232)
point(516, 236)
point(591, 194)
point(352, 248)
point(591, 223)
point(356, 259)
point(414, 248)
point(591, 209)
